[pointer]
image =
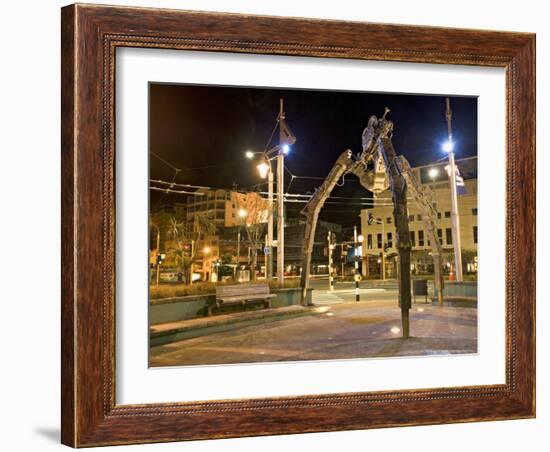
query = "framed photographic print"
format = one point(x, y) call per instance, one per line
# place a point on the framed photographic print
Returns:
point(281, 225)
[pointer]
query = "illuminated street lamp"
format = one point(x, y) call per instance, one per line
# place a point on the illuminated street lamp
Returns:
point(433, 173)
point(448, 146)
point(264, 169)
point(242, 213)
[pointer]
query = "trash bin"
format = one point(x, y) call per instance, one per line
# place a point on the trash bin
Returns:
point(420, 287)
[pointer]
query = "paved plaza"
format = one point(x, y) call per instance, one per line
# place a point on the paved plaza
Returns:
point(345, 329)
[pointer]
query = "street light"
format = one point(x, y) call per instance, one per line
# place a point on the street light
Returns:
point(263, 169)
point(433, 173)
point(242, 213)
point(448, 146)
point(249, 155)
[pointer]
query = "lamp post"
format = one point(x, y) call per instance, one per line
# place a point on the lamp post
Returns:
point(329, 252)
point(356, 240)
point(157, 275)
point(278, 152)
point(205, 252)
point(242, 214)
point(449, 148)
point(265, 170)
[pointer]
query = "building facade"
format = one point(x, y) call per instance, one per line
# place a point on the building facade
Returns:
point(379, 236)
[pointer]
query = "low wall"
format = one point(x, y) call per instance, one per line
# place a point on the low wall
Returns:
point(460, 289)
point(173, 309)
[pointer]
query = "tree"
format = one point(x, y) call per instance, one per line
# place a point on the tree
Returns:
point(224, 267)
point(255, 222)
point(186, 241)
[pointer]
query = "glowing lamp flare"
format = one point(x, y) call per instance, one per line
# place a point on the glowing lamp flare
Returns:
point(263, 169)
point(249, 154)
point(433, 172)
point(448, 146)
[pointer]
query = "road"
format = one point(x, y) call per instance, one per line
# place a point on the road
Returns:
point(347, 329)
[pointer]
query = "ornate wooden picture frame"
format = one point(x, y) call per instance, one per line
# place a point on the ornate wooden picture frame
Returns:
point(90, 37)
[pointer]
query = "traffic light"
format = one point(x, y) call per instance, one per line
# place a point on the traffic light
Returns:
point(160, 258)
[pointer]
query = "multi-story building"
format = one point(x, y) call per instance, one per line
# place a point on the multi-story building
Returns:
point(230, 212)
point(380, 234)
point(223, 206)
point(160, 219)
point(294, 245)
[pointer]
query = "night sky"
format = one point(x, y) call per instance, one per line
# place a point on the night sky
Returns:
point(205, 131)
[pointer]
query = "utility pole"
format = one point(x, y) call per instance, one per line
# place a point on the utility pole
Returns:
point(342, 260)
point(329, 252)
point(454, 200)
point(238, 251)
point(356, 264)
point(383, 272)
point(158, 256)
point(269, 260)
point(280, 204)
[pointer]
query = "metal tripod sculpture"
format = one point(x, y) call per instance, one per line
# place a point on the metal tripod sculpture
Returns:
point(378, 168)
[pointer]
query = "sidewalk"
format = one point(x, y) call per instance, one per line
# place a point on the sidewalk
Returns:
point(166, 333)
point(344, 331)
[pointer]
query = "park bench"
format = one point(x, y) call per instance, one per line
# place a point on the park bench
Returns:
point(241, 294)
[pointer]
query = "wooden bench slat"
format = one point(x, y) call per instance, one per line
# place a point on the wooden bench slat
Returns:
point(242, 294)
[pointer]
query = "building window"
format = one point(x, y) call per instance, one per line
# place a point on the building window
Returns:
point(388, 220)
point(449, 236)
point(420, 238)
point(413, 239)
point(379, 241)
point(369, 241)
point(447, 214)
point(390, 240)
point(440, 235)
point(439, 215)
point(411, 218)
point(474, 211)
point(419, 217)
point(475, 234)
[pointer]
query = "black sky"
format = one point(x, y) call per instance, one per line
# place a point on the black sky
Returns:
point(205, 130)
